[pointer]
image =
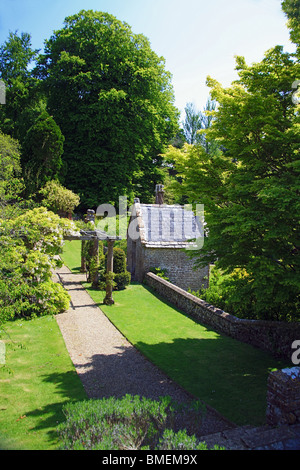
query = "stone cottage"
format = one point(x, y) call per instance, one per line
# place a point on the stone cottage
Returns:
point(159, 236)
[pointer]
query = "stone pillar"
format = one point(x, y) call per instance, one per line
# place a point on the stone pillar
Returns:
point(283, 397)
point(108, 300)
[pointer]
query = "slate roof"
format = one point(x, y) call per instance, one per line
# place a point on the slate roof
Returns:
point(164, 226)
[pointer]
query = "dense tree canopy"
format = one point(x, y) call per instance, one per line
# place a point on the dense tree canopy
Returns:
point(251, 189)
point(292, 10)
point(42, 152)
point(97, 114)
point(16, 55)
point(113, 100)
point(11, 183)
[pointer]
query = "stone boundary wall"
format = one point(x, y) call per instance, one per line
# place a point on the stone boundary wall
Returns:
point(274, 337)
point(283, 397)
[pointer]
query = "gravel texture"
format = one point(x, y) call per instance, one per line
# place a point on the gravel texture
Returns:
point(108, 365)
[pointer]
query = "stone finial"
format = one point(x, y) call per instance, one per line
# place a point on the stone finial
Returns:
point(90, 216)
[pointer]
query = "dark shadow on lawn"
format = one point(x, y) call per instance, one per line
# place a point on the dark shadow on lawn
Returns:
point(76, 270)
point(69, 388)
point(204, 369)
point(125, 372)
point(128, 371)
point(227, 374)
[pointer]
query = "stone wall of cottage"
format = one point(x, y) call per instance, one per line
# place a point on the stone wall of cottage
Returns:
point(178, 265)
point(274, 337)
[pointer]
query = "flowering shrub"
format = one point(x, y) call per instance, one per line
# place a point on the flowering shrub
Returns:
point(30, 246)
point(128, 423)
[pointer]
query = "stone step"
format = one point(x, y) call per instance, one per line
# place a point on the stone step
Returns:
point(230, 439)
point(256, 438)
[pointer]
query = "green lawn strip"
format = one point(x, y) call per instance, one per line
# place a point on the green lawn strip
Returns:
point(228, 375)
point(37, 379)
point(71, 255)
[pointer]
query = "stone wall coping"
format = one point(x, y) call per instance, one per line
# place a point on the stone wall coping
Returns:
point(287, 374)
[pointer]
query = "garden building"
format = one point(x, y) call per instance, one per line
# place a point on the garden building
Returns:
point(159, 236)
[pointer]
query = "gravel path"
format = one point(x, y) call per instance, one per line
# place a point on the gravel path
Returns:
point(107, 364)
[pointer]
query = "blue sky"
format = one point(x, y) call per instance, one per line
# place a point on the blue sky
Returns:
point(197, 38)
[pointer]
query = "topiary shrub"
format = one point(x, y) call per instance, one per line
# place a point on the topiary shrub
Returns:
point(122, 280)
point(122, 277)
point(119, 260)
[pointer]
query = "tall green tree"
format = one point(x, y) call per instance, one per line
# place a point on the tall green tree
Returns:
point(195, 168)
point(11, 184)
point(42, 153)
point(196, 122)
point(192, 123)
point(113, 100)
point(251, 189)
point(292, 10)
point(16, 57)
point(257, 227)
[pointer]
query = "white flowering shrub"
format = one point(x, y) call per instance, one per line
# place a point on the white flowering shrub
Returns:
point(30, 246)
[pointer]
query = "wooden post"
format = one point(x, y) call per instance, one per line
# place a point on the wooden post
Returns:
point(95, 263)
point(109, 271)
point(83, 257)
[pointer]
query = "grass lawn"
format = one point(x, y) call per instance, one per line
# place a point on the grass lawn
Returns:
point(37, 379)
point(72, 255)
point(228, 375)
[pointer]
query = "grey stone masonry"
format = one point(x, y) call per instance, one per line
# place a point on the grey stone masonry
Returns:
point(283, 397)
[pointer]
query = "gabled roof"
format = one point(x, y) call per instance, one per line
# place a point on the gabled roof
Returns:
point(164, 226)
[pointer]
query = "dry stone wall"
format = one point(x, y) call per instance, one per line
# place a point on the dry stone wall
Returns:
point(283, 397)
point(274, 337)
